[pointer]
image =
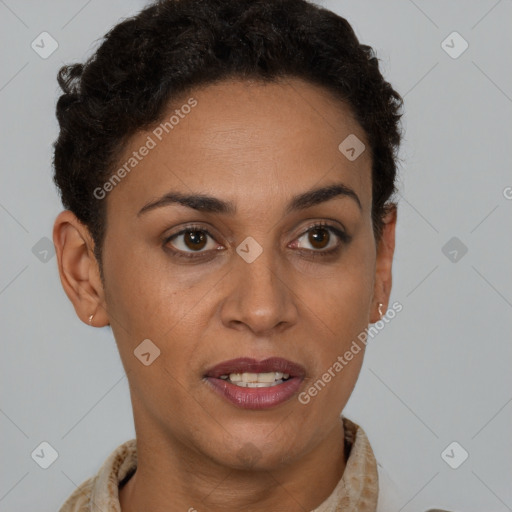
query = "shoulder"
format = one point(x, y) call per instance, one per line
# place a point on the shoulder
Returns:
point(101, 490)
point(80, 498)
point(389, 497)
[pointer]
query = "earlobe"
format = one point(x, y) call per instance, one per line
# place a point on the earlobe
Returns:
point(78, 268)
point(384, 264)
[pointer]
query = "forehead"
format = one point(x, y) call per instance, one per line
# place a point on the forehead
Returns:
point(264, 141)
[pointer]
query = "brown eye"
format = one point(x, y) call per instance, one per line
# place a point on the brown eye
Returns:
point(195, 240)
point(319, 238)
point(191, 240)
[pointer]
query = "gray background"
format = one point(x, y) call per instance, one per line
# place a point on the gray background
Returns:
point(439, 372)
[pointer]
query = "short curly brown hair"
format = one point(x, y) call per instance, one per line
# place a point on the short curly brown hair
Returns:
point(146, 61)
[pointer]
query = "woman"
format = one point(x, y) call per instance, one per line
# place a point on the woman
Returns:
point(226, 169)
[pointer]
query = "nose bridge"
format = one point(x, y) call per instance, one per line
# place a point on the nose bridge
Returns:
point(260, 274)
point(260, 297)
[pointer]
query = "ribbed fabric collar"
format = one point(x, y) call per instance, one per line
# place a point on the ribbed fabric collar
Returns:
point(357, 490)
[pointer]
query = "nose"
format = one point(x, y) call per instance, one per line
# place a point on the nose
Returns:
point(260, 298)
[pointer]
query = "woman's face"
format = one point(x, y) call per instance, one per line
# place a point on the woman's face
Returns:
point(252, 278)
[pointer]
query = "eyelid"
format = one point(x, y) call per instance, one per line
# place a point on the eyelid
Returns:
point(185, 229)
point(341, 234)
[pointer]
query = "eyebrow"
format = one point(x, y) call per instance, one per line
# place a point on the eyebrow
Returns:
point(212, 204)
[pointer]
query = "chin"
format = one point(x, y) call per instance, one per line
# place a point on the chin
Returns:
point(257, 452)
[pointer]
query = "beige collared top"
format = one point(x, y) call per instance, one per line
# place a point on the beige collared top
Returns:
point(357, 490)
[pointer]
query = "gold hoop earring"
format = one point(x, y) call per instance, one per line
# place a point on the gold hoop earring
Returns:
point(90, 319)
point(380, 310)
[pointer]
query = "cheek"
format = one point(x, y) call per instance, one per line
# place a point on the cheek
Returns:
point(341, 302)
point(146, 302)
point(338, 310)
point(142, 296)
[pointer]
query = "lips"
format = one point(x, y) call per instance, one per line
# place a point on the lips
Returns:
point(247, 365)
point(250, 384)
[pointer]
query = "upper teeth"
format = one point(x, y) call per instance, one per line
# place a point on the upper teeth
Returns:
point(256, 380)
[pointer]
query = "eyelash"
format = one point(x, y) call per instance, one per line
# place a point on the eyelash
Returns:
point(344, 237)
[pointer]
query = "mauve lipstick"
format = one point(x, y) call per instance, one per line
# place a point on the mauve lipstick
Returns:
point(260, 397)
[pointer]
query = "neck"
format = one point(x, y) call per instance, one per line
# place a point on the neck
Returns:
point(168, 473)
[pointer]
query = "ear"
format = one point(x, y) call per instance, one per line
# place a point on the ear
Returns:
point(79, 269)
point(383, 265)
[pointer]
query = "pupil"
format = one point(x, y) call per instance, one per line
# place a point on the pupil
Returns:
point(317, 236)
point(196, 238)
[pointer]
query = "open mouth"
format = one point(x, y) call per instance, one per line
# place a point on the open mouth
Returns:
point(256, 380)
point(252, 384)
